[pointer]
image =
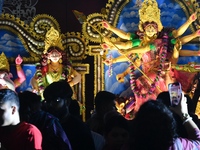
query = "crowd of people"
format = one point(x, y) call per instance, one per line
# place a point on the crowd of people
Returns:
point(28, 123)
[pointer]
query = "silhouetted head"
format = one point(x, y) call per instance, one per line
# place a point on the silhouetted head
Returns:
point(104, 102)
point(58, 97)
point(29, 103)
point(155, 126)
point(116, 132)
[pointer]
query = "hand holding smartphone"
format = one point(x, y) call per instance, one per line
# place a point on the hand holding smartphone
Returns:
point(175, 92)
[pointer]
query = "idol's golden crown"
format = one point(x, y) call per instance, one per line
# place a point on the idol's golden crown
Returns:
point(4, 65)
point(53, 38)
point(149, 11)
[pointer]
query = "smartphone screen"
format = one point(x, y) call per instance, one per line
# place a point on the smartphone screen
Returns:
point(175, 93)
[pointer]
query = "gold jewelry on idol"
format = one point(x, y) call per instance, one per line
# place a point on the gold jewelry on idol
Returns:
point(149, 12)
point(53, 38)
point(48, 61)
point(4, 65)
point(60, 61)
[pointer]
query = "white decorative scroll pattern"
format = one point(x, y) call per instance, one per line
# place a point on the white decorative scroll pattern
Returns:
point(23, 9)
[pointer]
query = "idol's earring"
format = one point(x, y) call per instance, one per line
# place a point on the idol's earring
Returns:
point(48, 61)
point(155, 36)
point(60, 61)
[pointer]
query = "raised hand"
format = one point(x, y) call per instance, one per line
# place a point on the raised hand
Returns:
point(193, 17)
point(108, 61)
point(106, 24)
point(105, 46)
point(198, 53)
point(107, 43)
point(197, 33)
point(120, 77)
point(18, 60)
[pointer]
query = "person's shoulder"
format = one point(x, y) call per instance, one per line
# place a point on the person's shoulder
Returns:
point(48, 116)
point(76, 122)
point(51, 120)
point(97, 137)
point(94, 118)
point(29, 127)
point(185, 143)
point(99, 140)
point(43, 119)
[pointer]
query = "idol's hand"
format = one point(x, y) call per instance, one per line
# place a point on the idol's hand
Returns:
point(105, 46)
point(198, 53)
point(108, 61)
point(18, 60)
point(106, 25)
point(178, 45)
point(167, 66)
point(108, 42)
point(197, 33)
point(193, 17)
point(120, 77)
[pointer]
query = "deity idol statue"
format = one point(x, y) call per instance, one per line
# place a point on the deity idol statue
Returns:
point(54, 65)
point(153, 47)
point(6, 75)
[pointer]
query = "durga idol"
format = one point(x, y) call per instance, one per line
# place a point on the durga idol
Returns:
point(54, 64)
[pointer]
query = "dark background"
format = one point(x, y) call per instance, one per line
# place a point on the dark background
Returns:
point(61, 10)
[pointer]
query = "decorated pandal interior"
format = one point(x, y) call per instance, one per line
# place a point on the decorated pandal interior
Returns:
point(139, 47)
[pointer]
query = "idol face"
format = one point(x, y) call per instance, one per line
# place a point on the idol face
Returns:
point(150, 30)
point(54, 55)
point(55, 106)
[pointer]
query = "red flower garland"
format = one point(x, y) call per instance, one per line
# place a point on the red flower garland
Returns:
point(163, 54)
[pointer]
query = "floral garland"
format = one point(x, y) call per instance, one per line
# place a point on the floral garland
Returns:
point(110, 70)
point(133, 78)
point(39, 77)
